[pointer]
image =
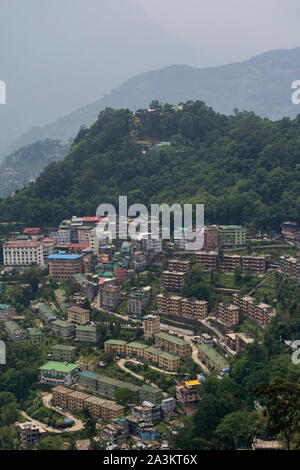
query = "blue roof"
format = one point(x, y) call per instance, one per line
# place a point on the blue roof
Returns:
point(61, 256)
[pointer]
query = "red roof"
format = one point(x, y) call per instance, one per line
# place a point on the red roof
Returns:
point(32, 230)
point(90, 219)
point(22, 244)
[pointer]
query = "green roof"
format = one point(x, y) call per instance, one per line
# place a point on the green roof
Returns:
point(4, 306)
point(63, 347)
point(59, 366)
point(34, 331)
point(171, 338)
point(89, 329)
point(148, 388)
point(62, 323)
point(116, 341)
point(134, 344)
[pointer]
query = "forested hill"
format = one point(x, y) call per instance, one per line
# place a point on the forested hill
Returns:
point(261, 84)
point(24, 165)
point(244, 168)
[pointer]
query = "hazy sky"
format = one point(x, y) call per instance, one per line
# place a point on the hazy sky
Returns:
point(57, 55)
point(224, 31)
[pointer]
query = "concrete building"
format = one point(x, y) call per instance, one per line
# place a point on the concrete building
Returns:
point(256, 263)
point(7, 313)
point(237, 341)
point(151, 326)
point(63, 267)
point(63, 353)
point(30, 434)
point(178, 265)
point(208, 259)
point(173, 280)
point(172, 344)
point(107, 386)
point(23, 253)
point(229, 263)
point(168, 406)
point(115, 346)
point(104, 410)
point(148, 412)
point(290, 232)
point(289, 266)
point(46, 313)
point(110, 297)
point(251, 308)
point(78, 315)
point(34, 335)
point(63, 329)
point(138, 301)
point(188, 392)
point(232, 235)
point(170, 304)
point(229, 313)
point(59, 373)
point(86, 334)
point(14, 331)
point(194, 309)
point(211, 238)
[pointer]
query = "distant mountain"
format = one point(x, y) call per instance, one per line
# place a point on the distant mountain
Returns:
point(261, 84)
point(25, 165)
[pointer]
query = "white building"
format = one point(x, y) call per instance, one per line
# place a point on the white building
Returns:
point(23, 253)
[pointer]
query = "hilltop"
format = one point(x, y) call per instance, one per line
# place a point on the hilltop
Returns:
point(244, 168)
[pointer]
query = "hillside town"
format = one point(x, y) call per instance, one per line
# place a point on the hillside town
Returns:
point(127, 337)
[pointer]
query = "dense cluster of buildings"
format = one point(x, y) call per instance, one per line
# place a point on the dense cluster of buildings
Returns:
point(76, 401)
point(178, 306)
point(251, 308)
point(214, 261)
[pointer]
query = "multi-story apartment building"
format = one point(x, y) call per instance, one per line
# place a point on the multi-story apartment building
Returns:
point(151, 325)
point(63, 329)
point(23, 253)
point(188, 392)
point(115, 346)
point(289, 266)
point(14, 331)
point(232, 235)
point(84, 235)
point(63, 353)
point(110, 297)
point(59, 373)
point(138, 301)
point(107, 386)
point(237, 341)
point(63, 267)
point(290, 232)
point(151, 244)
point(7, 313)
point(208, 259)
point(172, 344)
point(148, 412)
point(34, 335)
point(30, 434)
point(78, 315)
point(104, 410)
point(251, 308)
point(194, 309)
point(229, 313)
point(173, 280)
point(167, 303)
point(229, 263)
point(256, 263)
point(178, 265)
point(46, 313)
point(135, 349)
point(86, 334)
point(61, 236)
point(211, 238)
point(162, 359)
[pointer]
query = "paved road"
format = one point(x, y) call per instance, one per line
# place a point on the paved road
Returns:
point(78, 424)
point(195, 355)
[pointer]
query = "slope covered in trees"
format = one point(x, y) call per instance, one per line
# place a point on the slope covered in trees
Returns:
point(245, 169)
point(24, 165)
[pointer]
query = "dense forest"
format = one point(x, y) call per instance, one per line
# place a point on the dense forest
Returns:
point(24, 165)
point(245, 169)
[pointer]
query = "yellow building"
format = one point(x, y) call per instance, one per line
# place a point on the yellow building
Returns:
point(115, 346)
point(78, 315)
